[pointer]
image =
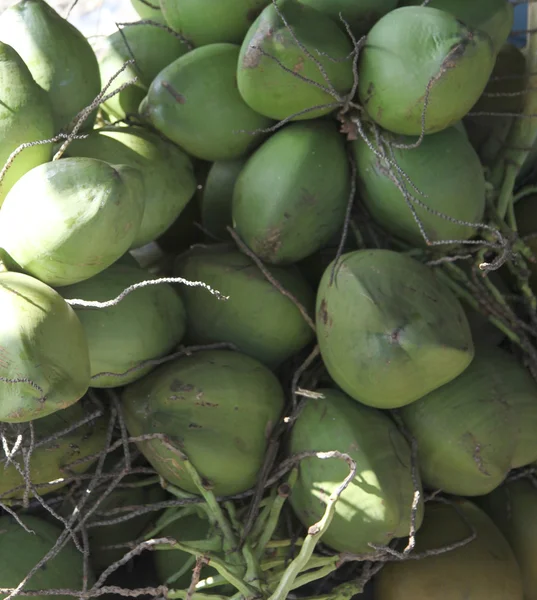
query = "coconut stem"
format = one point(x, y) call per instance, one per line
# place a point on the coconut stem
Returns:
point(523, 133)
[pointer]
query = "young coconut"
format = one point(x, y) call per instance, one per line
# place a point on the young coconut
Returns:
point(283, 219)
point(513, 508)
point(58, 55)
point(472, 431)
point(25, 116)
point(445, 169)
point(147, 324)
point(483, 569)
point(149, 11)
point(153, 48)
point(206, 22)
point(22, 549)
point(67, 220)
point(257, 318)
point(44, 358)
point(421, 68)
point(194, 101)
point(389, 332)
point(376, 507)
point(55, 455)
point(280, 77)
point(167, 172)
point(217, 407)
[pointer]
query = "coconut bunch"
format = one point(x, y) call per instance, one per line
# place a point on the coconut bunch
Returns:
point(269, 312)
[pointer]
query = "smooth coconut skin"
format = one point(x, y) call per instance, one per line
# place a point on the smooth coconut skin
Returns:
point(145, 325)
point(153, 49)
point(205, 115)
point(25, 115)
point(168, 177)
point(413, 49)
point(43, 344)
point(389, 332)
point(21, 550)
point(58, 55)
point(67, 220)
point(256, 317)
point(513, 508)
point(74, 452)
point(204, 22)
point(292, 194)
point(218, 407)
point(445, 169)
point(471, 456)
point(153, 12)
point(376, 506)
point(275, 93)
point(484, 569)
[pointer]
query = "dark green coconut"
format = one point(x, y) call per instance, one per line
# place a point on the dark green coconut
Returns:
point(67, 220)
point(44, 360)
point(484, 569)
point(292, 194)
point(153, 49)
point(147, 324)
point(443, 173)
point(281, 79)
point(389, 332)
point(168, 176)
point(257, 317)
point(473, 430)
point(513, 508)
point(216, 406)
point(194, 101)
point(495, 17)
point(416, 49)
point(206, 22)
point(53, 459)
point(58, 55)
point(21, 550)
point(25, 116)
point(376, 506)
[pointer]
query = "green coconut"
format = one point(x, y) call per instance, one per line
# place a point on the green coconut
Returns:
point(495, 17)
point(153, 48)
point(55, 455)
point(58, 55)
point(167, 172)
point(280, 78)
point(359, 16)
point(503, 98)
point(205, 114)
point(147, 324)
point(22, 550)
point(473, 430)
point(484, 569)
point(228, 21)
point(149, 10)
point(257, 317)
point(198, 402)
point(376, 506)
point(287, 217)
point(513, 508)
point(418, 53)
point(389, 332)
point(67, 220)
point(44, 359)
point(443, 173)
point(25, 116)
point(217, 197)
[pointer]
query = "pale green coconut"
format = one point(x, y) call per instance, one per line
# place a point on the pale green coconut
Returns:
point(25, 116)
point(58, 55)
point(44, 359)
point(147, 324)
point(67, 220)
